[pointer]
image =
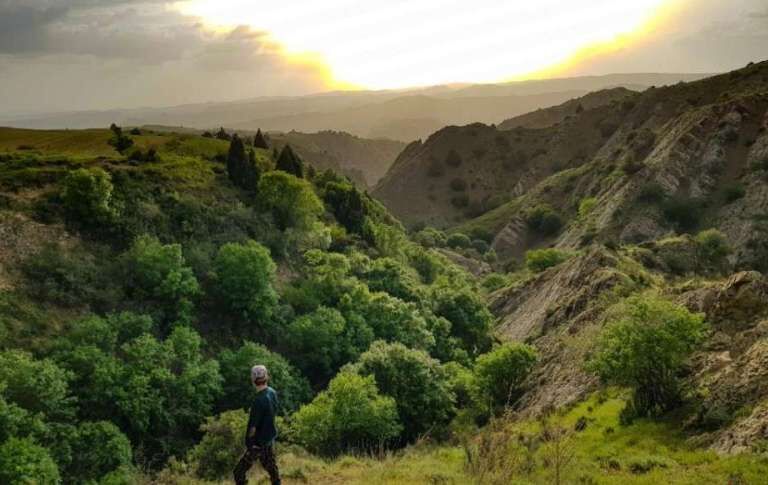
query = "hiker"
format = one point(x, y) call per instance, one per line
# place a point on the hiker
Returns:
point(261, 431)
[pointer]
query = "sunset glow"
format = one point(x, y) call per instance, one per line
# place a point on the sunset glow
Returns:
point(400, 43)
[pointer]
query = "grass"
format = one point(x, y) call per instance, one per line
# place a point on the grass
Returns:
point(604, 452)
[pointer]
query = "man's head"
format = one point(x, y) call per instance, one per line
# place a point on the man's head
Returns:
point(259, 375)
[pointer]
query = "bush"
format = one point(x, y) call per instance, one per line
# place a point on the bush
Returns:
point(119, 141)
point(87, 197)
point(291, 200)
point(645, 348)
point(685, 214)
point(244, 275)
point(98, 449)
point(481, 246)
point(214, 457)
point(734, 192)
point(544, 220)
point(458, 240)
point(431, 238)
point(37, 386)
point(500, 372)
point(651, 193)
point(291, 386)
point(346, 203)
point(157, 275)
point(468, 315)
point(494, 281)
point(415, 381)
point(712, 248)
point(586, 206)
point(539, 260)
point(349, 416)
point(24, 462)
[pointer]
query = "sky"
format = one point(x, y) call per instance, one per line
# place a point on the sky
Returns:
point(62, 55)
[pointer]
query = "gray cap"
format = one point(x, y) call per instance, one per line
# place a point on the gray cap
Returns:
point(259, 373)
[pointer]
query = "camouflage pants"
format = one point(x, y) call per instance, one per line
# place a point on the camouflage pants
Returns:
point(264, 455)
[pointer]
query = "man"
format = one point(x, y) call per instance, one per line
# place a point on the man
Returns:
point(261, 431)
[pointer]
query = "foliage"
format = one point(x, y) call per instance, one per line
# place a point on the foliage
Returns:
point(544, 220)
point(87, 197)
point(430, 238)
point(158, 276)
point(346, 203)
point(350, 415)
point(260, 141)
point(417, 383)
point(458, 240)
point(469, 317)
point(538, 260)
point(241, 167)
point(291, 200)
point(216, 454)
point(494, 281)
point(244, 277)
point(290, 163)
point(237, 391)
point(37, 386)
point(645, 348)
point(712, 247)
point(391, 276)
point(586, 206)
point(685, 214)
point(500, 372)
point(119, 141)
point(98, 449)
point(453, 159)
point(24, 462)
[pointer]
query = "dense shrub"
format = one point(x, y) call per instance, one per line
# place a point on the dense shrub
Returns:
point(415, 381)
point(346, 203)
point(685, 214)
point(158, 278)
point(494, 281)
point(733, 192)
point(544, 220)
point(644, 348)
point(430, 238)
point(349, 416)
point(237, 390)
point(500, 372)
point(87, 197)
point(98, 449)
point(586, 206)
point(216, 454)
point(291, 200)
point(458, 240)
point(24, 462)
point(244, 275)
point(241, 166)
point(712, 248)
point(37, 386)
point(119, 141)
point(480, 246)
point(289, 162)
point(538, 260)
point(468, 315)
point(651, 193)
point(64, 276)
point(391, 276)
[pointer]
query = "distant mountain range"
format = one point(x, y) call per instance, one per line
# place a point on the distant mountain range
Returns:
point(403, 115)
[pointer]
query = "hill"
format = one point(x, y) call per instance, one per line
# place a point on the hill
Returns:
point(400, 115)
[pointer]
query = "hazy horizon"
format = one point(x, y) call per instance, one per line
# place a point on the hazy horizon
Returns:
point(77, 55)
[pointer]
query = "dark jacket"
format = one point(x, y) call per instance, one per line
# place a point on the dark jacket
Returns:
point(261, 429)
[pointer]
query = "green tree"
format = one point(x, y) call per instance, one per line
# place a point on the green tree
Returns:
point(37, 386)
point(260, 141)
point(158, 278)
point(237, 159)
point(98, 449)
point(712, 248)
point(415, 381)
point(349, 416)
point(322, 341)
point(431, 238)
point(238, 391)
point(391, 276)
point(499, 374)
point(289, 162)
point(291, 200)
point(538, 260)
point(87, 197)
point(544, 220)
point(244, 277)
point(119, 141)
point(469, 317)
point(24, 462)
point(645, 349)
point(346, 203)
point(458, 240)
point(216, 454)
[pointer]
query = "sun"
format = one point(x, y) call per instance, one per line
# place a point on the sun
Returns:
point(405, 43)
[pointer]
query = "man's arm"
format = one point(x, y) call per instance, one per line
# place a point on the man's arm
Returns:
point(254, 419)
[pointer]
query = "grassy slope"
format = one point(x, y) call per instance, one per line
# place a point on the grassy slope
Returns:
point(643, 453)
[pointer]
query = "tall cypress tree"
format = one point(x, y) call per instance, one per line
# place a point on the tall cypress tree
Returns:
point(259, 141)
point(236, 160)
point(290, 162)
